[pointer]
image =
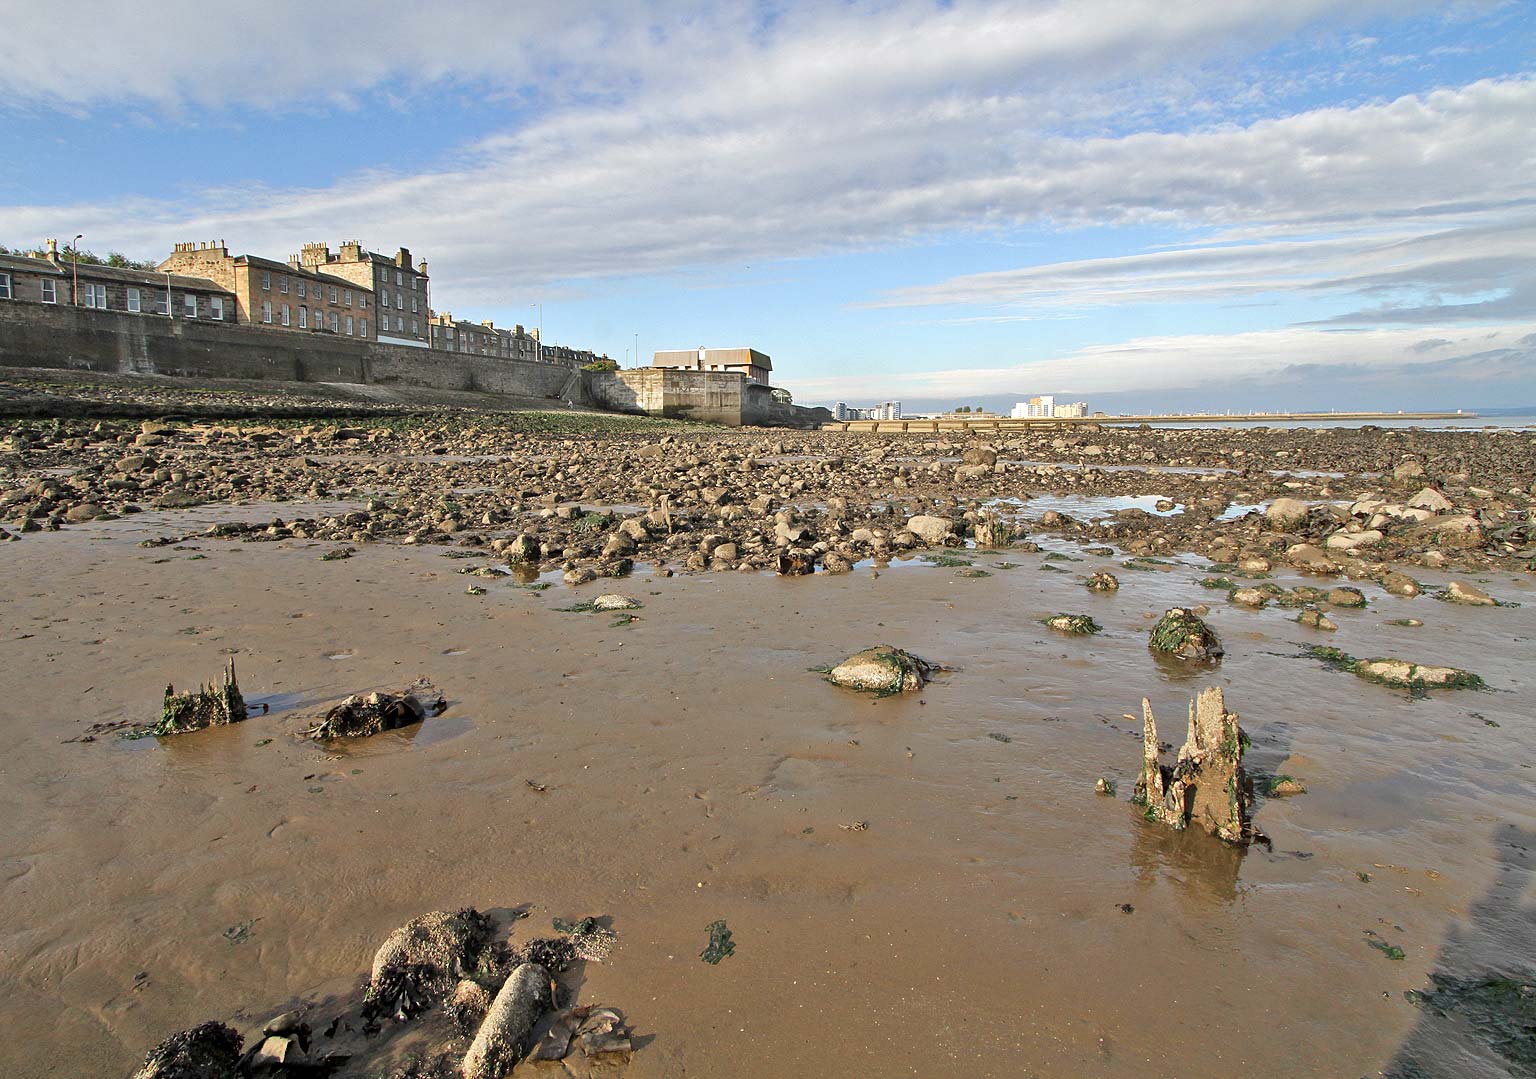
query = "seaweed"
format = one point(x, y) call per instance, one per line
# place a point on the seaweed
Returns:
point(207, 706)
point(1499, 1009)
point(720, 943)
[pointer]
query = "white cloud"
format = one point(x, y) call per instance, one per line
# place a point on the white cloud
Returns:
point(1206, 361)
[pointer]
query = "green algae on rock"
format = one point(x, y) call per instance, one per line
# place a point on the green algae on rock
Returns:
point(1400, 673)
point(883, 669)
point(1077, 625)
point(1181, 633)
point(208, 706)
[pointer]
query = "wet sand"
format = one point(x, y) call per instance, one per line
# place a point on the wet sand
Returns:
point(697, 769)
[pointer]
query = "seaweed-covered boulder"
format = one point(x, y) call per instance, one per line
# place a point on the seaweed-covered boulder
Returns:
point(1399, 673)
point(884, 669)
point(499, 1042)
point(424, 960)
point(208, 1051)
point(1183, 634)
point(1102, 581)
point(1284, 514)
point(1077, 625)
point(1207, 786)
point(208, 706)
point(1468, 594)
point(364, 714)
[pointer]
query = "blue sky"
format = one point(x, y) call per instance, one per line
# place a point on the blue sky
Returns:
point(1235, 204)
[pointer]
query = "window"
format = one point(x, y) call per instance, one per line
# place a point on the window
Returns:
point(303, 318)
point(216, 307)
point(413, 305)
point(284, 315)
point(335, 322)
point(347, 297)
point(399, 325)
point(416, 284)
point(95, 296)
point(399, 301)
point(266, 311)
point(399, 278)
point(162, 303)
point(300, 289)
point(5, 287)
point(349, 325)
point(384, 297)
point(415, 329)
point(362, 300)
point(333, 294)
point(50, 291)
point(362, 328)
point(282, 284)
point(383, 276)
point(191, 304)
point(135, 301)
point(266, 283)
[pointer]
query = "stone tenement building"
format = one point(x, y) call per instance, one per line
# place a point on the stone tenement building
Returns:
point(404, 305)
point(279, 295)
point(47, 278)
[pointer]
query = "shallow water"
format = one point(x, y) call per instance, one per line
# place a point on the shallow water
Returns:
point(696, 769)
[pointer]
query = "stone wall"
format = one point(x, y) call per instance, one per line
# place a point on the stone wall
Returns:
point(77, 338)
point(706, 396)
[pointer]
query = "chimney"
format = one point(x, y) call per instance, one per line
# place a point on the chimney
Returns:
point(422, 269)
point(403, 258)
point(53, 252)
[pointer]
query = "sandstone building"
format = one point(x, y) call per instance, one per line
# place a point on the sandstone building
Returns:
point(48, 277)
point(280, 295)
point(404, 304)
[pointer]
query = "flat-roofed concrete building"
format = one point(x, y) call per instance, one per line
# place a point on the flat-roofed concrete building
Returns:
point(280, 295)
point(404, 305)
point(753, 365)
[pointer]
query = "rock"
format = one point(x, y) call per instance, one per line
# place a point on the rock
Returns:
point(275, 1051)
point(1432, 500)
point(979, 455)
point(1390, 671)
point(85, 511)
point(1311, 558)
point(1077, 625)
point(1102, 581)
point(1316, 619)
point(726, 553)
point(972, 472)
point(467, 1006)
point(619, 544)
point(1207, 786)
point(931, 530)
point(796, 562)
point(1248, 597)
point(883, 669)
point(523, 548)
point(1349, 541)
point(1105, 786)
point(1458, 532)
point(1408, 470)
point(1345, 596)
point(1182, 634)
point(208, 1051)
point(1285, 787)
point(579, 576)
point(614, 602)
point(498, 1043)
point(1399, 584)
point(1285, 514)
point(363, 715)
point(833, 562)
point(1471, 595)
point(419, 964)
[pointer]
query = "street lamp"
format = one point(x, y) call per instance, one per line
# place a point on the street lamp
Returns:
point(74, 265)
point(637, 350)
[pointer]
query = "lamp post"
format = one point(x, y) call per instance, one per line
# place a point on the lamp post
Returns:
point(637, 350)
point(74, 265)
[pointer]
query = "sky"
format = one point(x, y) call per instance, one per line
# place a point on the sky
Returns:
point(1172, 205)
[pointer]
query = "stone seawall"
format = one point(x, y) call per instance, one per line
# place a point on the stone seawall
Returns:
point(112, 342)
point(706, 396)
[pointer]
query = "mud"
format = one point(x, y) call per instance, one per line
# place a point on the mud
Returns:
point(690, 767)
